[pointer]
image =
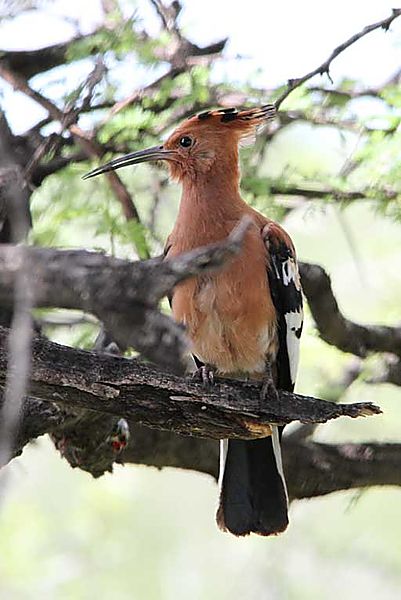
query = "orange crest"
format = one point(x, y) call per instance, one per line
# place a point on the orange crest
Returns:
point(246, 122)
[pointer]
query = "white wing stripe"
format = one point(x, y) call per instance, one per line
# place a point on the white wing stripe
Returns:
point(294, 323)
point(291, 273)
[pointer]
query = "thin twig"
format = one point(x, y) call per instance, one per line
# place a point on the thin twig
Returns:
point(325, 66)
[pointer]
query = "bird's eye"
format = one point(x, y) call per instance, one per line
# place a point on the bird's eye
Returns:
point(186, 141)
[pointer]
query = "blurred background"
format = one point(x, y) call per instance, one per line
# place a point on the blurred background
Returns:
point(329, 170)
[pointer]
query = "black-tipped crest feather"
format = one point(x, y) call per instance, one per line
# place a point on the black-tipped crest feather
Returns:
point(226, 115)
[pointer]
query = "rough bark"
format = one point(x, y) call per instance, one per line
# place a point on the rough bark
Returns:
point(77, 379)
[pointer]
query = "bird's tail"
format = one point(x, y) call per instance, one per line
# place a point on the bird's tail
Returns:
point(253, 493)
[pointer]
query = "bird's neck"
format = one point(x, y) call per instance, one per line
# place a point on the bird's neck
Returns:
point(210, 206)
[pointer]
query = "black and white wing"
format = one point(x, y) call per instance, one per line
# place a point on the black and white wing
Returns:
point(285, 288)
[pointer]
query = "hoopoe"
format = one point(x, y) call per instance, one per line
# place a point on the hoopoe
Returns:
point(245, 320)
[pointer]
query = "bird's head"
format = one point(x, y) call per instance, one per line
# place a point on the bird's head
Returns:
point(200, 144)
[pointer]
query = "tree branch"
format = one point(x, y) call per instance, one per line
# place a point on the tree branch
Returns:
point(325, 66)
point(312, 469)
point(334, 328)
point(315, 469)
point(36, 418)
point(83, 380)
point(28, 63)
point(278, 187)
point(183, 54)
point(168, 14)
point(17, 353)
point(64, 379)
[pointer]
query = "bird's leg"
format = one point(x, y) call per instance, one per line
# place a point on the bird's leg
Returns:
point(268, 389)
point(205, 375)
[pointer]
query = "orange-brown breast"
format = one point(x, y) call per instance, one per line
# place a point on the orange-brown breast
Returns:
point(229, 315)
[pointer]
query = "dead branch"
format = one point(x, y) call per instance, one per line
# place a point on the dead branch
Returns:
point(76, 380)
point(111, 289)
point(315, 469)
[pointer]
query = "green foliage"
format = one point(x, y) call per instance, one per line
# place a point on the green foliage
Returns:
point(132, 232)
point(379, 162)
point(70, 212)
point(199, 81)
point(119, 40)
point(391, 94)
point(299, 99)
point(127, 126)
point(147, 48)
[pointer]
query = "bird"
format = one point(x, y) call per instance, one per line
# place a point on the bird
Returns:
point(244, 320)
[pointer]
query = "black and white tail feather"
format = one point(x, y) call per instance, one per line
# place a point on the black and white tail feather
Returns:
point(253, 492)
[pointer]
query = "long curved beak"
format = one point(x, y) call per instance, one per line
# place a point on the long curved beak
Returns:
point(154, 153)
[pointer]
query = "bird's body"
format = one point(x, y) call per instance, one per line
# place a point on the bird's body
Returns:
point(244, 320)
point(229, 315)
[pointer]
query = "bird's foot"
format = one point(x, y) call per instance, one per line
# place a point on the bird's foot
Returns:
point(268, 390)
point(204, 375)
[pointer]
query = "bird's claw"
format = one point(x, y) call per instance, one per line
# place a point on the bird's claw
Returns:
point(204, 375)
point(268, 392)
